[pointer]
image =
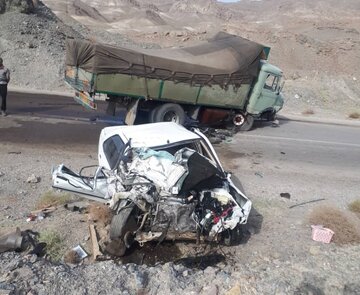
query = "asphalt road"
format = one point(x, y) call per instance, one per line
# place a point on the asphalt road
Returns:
point(333, 146)
point(325, 145)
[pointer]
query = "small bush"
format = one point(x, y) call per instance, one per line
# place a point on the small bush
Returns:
point(52, 198)
point(345, 228)
point(54, 244)
point(355, 207)
point(354, 115)
point(308, 112)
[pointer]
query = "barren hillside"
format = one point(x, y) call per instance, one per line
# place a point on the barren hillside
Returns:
point(316, 43)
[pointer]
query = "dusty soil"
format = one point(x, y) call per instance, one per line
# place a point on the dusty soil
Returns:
point(317, 46)
point(277, 255)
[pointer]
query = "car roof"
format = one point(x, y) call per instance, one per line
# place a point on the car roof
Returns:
point(151, 135)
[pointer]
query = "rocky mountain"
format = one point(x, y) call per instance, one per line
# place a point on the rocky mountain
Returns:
point(315, 42)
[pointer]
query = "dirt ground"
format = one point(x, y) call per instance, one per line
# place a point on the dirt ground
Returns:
point(276, 257)
point(316, 43)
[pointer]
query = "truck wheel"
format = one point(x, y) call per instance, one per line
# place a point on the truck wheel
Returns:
point(248, 124)
point(169, 112)
point(152, 115)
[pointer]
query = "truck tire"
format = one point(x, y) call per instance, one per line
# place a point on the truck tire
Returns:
point(152, 115)
point(248, 124)
point(169, 112)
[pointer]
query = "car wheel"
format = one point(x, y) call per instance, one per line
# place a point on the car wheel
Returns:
point(122, 223)
point(169, 112)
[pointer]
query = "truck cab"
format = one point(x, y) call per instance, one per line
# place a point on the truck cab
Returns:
point(266, 98)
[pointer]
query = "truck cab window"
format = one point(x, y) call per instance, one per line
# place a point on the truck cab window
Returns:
point(271, 82)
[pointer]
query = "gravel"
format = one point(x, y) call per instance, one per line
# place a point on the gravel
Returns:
point(278, 258)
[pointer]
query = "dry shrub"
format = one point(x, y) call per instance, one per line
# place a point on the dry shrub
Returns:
point(52, 198)
point(354, 115)
point(71, 257)
point(355, 207)
point(54, 244)
point(345, 227)
point(100, 213)
point(308, 112)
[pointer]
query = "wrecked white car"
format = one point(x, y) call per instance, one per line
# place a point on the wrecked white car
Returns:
point(163, 182)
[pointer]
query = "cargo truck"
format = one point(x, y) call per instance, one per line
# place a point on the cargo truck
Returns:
point(226, 79)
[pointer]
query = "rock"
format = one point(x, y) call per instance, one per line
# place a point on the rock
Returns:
point(211, 290)
point(236, 290)
point(210, 271)
point(2, 174)
point(297, 96)
point(33, 179)
point(314, 250)
point(141, 279)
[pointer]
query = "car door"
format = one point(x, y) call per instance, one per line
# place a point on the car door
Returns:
point(94, 187)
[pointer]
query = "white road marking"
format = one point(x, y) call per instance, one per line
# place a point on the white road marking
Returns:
point(267, 137)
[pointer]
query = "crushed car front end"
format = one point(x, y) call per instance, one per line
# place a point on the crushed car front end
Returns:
point(163, 182)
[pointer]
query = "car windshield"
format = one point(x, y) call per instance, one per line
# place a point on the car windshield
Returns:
point(113, 147)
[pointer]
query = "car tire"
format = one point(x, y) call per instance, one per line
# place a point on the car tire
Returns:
point(169, 112)
point(121, 223)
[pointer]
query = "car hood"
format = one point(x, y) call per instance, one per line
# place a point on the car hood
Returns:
point(150, 135)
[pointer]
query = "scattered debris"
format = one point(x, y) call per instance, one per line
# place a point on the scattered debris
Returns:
point(308, 112)
point(308, 202)
point(45, 211)
point(76, 207)
point(259, 174)
point(11, 241)
point(32, 217)
point(40, 214)
point(33, 179)
point(80, 252)
point(275, 123)
point(75, 255)
point(94, 241)
point(285, 195)
point(2, 174)
point(321, 234)
point(14, 153)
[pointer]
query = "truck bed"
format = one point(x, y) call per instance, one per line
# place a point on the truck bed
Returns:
point(216, 73)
